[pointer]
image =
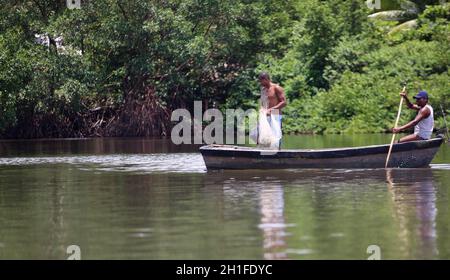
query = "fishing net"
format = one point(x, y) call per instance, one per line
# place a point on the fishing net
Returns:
point(268, 133)
point(267, 137)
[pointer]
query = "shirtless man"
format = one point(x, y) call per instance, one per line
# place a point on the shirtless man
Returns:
point(275, 94)
point(272, 101)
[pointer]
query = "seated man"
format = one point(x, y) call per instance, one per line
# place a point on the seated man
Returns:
point(424, 121)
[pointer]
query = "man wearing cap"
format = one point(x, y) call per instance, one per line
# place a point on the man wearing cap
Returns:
point(424, 121)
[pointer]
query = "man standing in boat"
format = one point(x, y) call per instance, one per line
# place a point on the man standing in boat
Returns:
point(424, 121)
point(272, 101)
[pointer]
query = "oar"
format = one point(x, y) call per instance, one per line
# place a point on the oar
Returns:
point(396, 123)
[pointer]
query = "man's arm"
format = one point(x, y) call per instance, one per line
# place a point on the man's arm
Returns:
point(279, 91)
point(408, 103)
point(423, 114)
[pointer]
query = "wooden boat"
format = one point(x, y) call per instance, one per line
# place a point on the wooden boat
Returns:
point(404, 155)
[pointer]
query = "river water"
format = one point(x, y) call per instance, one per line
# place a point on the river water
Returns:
point(143, 198)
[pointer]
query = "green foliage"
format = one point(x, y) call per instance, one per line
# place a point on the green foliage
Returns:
point(367, 101)
point(125, 65)
point(363, 71)
point(422, 4)
point(120, 56)
point(316, 35)
point(322, 25)
point(433, 24)
point(350, 55)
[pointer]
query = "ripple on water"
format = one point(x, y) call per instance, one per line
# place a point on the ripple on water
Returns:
point(151, 163)
point(444, 166)
point(145, 163)
point(300, 251)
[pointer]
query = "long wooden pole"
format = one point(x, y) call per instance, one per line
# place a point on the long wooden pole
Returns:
point(396, 123)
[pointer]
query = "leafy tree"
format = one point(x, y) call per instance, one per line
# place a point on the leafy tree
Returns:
point(406, 13)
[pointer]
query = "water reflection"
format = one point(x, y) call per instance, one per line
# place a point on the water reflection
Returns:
point(55, 248)
point(92, 146)
point(331, 220)
point(262, 192)
point(414, 196)
point(144, 199)
point(135, 163)
point(272, 221)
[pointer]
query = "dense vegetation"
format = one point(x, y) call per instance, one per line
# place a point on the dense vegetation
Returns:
point(118, 68)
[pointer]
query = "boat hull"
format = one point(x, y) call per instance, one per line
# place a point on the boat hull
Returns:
point(404, 155)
